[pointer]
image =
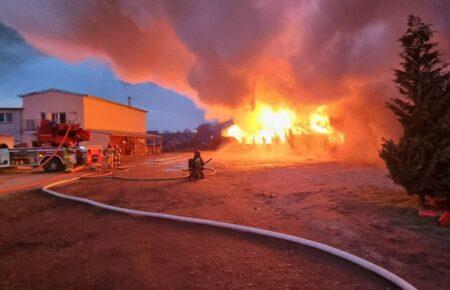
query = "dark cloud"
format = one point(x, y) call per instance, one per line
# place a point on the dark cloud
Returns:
point(354, 41)
point(14, 51)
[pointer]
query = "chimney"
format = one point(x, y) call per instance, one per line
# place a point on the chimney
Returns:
point(129, 101)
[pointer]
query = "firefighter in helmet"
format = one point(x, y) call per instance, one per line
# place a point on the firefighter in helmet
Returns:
point(69, 159)
point(109, 153)
point(196, 166)
point(117, 156)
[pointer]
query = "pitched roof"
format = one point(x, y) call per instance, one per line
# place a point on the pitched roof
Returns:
point(81, 95)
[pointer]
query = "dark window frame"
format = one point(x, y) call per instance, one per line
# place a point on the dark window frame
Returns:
point(30, 125)
point(62, 118)
point(55, 118)
point(59, 118)
point(6, 118)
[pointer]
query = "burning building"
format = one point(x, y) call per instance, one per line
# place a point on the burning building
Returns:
point(303, 132)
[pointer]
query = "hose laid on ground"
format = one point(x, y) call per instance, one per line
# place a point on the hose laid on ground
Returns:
point(212, 172)
point(109, 174)
point(239, 228)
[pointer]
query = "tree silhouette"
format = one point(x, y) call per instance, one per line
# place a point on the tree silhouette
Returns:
point(420, 162)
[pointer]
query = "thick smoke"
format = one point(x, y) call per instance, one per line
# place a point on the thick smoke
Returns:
point(228, 54)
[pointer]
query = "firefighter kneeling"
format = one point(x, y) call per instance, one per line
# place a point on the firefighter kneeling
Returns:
point(196, 166)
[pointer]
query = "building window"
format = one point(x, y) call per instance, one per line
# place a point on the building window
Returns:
point(59, 118)
point(55, 118)
point(62, 118)
point(5, 118)
point(43, 117)
point(29, 125)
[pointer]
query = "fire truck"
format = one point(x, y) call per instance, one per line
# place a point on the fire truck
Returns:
point(48, 149)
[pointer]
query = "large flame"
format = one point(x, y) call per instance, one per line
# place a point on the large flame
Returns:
point(319, 121)
point(267, 125)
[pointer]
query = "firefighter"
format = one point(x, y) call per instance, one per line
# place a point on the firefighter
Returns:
point(196, 166)
point(117, 156)
point(69, 159)
point(109, 153)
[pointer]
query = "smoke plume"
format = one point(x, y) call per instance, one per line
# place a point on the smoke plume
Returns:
point(226, 55)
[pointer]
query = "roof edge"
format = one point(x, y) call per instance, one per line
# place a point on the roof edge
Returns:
point(51, 90)
point(115, 103)
point(81, 95)
point(117, 133)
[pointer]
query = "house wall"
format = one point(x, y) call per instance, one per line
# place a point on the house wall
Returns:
point(99, 139)
point(104, 115)
point(12, 128)
point(7, 139)
point(48, 103)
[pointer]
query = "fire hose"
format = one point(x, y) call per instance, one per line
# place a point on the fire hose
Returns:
point(396, 280)
point(211, 170)
point(110, 173)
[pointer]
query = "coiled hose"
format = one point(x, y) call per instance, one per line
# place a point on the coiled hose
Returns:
point(396, 280)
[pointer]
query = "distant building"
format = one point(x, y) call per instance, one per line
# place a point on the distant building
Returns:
point(10, 120)
point(108, 121)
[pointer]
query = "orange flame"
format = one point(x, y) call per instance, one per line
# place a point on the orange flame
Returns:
point(266, 125)
point(319, 121)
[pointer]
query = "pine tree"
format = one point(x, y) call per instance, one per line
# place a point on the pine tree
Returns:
point(420, 162)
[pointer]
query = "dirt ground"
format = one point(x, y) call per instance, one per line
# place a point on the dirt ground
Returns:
point(13, 180)
point(51, 243)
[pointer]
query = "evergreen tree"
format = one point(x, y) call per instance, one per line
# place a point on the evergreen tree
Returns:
point(420, 162)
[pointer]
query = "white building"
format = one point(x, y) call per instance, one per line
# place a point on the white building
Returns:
point(106, 120)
